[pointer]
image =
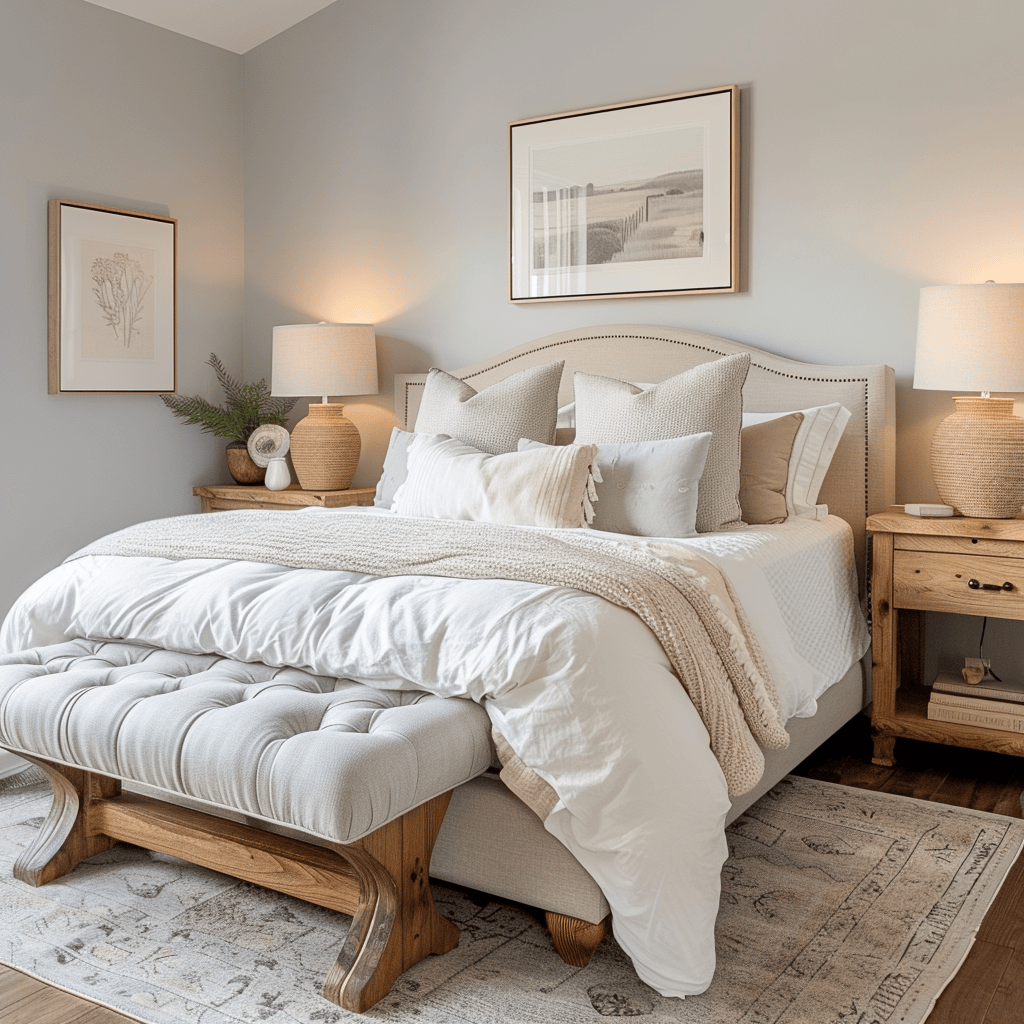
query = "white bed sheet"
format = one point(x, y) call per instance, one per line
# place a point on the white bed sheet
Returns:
point(797, 582)
point(580, 688)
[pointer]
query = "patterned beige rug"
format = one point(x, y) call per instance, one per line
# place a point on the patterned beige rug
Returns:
point(839, 905)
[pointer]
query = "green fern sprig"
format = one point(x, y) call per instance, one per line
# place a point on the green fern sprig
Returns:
point(232, 388)
point(247, 407)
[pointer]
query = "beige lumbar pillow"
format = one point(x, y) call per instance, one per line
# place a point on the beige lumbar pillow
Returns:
point(524, 404)
point(765, 451)
point(708, 397)
point(549, 487)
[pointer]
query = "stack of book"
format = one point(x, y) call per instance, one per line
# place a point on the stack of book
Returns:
point(988, 704)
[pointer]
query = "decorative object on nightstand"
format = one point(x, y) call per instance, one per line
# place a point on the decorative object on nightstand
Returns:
point(278, 477)
point(248, 406)
point(324, 359)
point(971, 337)
point(268, 444)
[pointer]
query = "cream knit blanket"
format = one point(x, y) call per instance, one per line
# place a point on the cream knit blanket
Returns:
point(682, 597)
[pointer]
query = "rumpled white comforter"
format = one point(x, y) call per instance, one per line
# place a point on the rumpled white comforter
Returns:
point(580, 688)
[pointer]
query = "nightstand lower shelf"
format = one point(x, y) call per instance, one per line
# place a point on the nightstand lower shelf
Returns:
point(911, 721)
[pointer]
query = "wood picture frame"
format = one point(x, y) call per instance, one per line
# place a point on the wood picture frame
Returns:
point(633, 199)
point(112, 300)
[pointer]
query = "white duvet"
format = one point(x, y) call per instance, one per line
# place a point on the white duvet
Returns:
point(580, 688)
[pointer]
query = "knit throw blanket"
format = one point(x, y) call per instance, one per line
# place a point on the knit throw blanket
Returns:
point(682, 597)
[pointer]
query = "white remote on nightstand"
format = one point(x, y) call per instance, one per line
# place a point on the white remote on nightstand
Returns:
point(936, 511)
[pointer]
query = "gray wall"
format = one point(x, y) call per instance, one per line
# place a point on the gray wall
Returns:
point(102, 108)
point(883, 144)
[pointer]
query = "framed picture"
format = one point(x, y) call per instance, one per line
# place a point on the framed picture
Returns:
point(112, 300)
point(636, 199)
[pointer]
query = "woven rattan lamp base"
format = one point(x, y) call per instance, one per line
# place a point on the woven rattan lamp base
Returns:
point(978, 458)
point(325, 449)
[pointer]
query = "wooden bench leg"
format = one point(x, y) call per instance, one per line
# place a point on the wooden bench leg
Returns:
point(575, 940)
point(382, 880)
point(64, 838)
point(396, 924)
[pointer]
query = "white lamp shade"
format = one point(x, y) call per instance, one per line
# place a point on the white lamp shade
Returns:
point(324, 359)
point(970, 337)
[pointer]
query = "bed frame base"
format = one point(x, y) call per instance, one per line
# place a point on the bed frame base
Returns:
point(575, 940)
point(381, 880)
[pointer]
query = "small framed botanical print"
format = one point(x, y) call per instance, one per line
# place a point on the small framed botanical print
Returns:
point(112, 300)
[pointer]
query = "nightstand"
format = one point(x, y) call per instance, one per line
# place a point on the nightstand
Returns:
point(226, 497)
point(960, 565)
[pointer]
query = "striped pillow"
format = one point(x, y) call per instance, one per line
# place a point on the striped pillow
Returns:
point(549, 487)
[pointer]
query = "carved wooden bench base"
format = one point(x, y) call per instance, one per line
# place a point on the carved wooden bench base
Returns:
point(382, 880)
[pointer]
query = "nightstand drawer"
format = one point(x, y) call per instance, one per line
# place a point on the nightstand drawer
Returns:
point(934, 581)
point(968, 546)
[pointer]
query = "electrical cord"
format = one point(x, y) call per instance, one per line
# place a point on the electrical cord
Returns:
point(989, 674)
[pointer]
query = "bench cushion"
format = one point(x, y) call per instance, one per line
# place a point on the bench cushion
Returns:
point(331, 757)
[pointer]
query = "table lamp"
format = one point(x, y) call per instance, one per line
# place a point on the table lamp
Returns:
point(324, 359)
point(971, 337)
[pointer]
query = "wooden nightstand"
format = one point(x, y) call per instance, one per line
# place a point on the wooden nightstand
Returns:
point(955, 565)
point(226, 497)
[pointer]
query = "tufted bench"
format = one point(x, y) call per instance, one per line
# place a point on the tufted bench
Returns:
point(324, 789)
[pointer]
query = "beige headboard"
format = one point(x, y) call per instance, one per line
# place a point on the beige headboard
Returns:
point(861, 479)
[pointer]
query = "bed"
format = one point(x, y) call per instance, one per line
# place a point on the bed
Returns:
point(577, 863)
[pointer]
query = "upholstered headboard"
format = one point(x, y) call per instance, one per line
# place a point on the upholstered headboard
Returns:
point(861, 479)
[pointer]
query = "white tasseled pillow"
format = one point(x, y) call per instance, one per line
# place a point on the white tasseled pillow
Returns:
point(549, 487)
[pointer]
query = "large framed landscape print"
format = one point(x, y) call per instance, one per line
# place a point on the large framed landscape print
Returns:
point(636, 199)
point(112, 304)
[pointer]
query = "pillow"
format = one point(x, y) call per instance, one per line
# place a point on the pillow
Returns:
point(647, 488)
point(395, 467)
point(524, 404)
point(567, 413)
point(546, 486)
point(708, 397)
point(765, 451)
point(815, 444)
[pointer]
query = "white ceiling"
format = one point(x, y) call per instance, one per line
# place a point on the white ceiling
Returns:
point(236, 25)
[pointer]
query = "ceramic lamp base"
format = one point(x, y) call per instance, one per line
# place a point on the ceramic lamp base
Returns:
point(325, 449)
point(978, 458)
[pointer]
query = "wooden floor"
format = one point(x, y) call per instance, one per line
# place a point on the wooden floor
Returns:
point(988, 989)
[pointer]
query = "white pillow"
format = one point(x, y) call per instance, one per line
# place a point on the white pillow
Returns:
point(647, 488)
point(546, 486)
point(567, 413)
point(705, 397)
point(395, 469)
point(815, 444)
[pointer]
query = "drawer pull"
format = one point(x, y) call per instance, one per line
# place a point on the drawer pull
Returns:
point(975, 585)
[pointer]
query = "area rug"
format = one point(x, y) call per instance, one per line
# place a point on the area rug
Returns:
point(838, 905)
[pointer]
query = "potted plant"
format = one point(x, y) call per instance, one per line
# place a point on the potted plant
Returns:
point(247, 406)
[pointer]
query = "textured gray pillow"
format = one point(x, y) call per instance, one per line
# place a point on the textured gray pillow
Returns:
point(648, 488)
point(524, 404)
point(708, 397)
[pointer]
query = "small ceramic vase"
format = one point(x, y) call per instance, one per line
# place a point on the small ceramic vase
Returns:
point(278, 477)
